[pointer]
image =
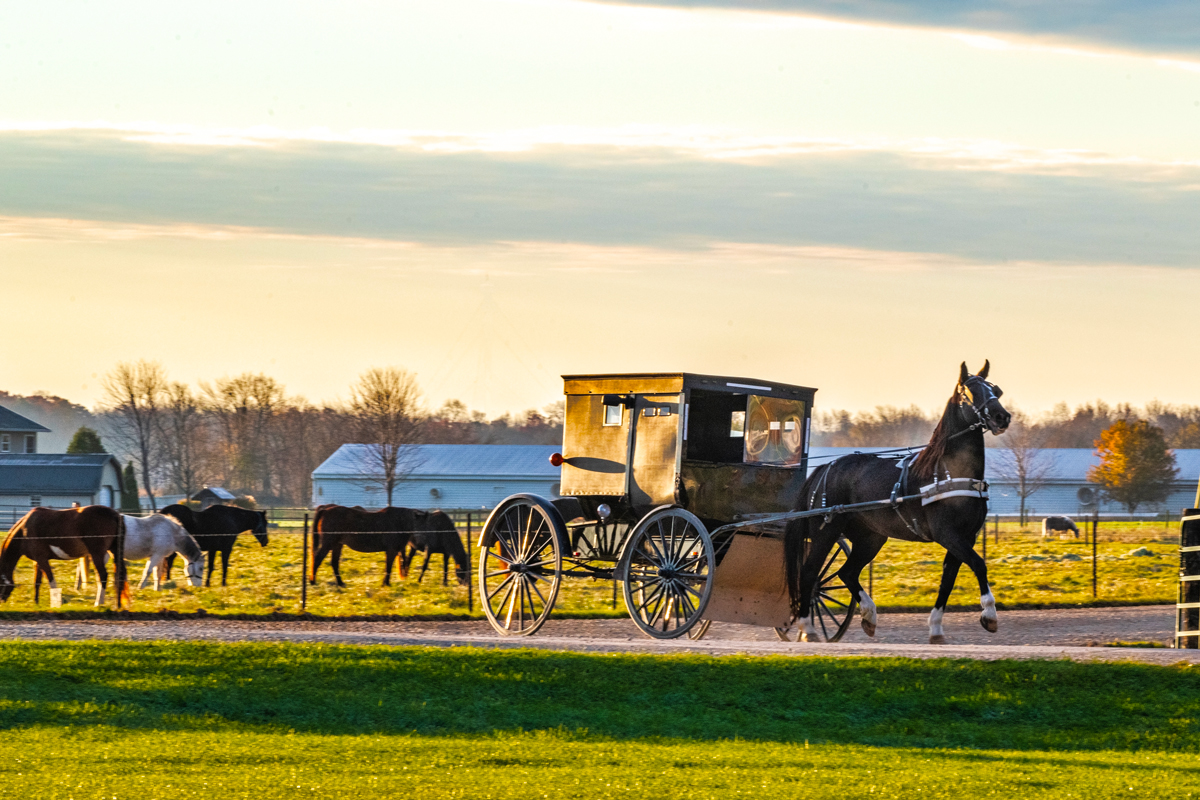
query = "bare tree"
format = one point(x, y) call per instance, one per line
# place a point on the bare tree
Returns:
point(385, 405)
point(244, 408)
point(131, 400)
point(184, 435)
point(1021, 459)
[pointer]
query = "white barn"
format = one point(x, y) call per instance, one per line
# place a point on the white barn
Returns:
point(447, 476)
point(1065, 489)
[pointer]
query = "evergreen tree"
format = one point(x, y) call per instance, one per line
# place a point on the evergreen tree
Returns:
point(1135, 465)
point(85, 440)
point(129, 491)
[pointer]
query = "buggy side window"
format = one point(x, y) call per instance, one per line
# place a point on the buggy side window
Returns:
point(737, 424)
point(715, 426)
point(774, 431)
point(613, 414)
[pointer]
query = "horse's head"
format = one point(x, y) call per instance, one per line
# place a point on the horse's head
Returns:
point(983, 398)
point(195, 571)
point(6, 588)
point(260, 528)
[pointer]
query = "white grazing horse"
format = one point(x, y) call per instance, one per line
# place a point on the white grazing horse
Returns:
point(154, 538)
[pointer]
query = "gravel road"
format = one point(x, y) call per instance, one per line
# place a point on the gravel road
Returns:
point(1063, 633)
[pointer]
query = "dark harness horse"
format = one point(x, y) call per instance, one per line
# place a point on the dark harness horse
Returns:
point(435, 533)
point(385, 531)
point(216, 530)
point(948, 471)
point(44, 534)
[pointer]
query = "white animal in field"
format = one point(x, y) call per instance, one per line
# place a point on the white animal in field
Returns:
point(154, 538)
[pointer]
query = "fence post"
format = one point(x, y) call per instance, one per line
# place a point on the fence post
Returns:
point(304, 567)
point(996, 529)
point(470, 577)
point(1095, 528)
point(119, 565)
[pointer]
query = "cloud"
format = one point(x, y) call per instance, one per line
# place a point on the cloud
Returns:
point(1159, 27)
point(960, 201)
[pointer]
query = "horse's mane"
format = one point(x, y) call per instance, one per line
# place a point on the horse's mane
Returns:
point(925, 464)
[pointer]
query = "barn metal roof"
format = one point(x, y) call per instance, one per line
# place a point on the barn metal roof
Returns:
point(1065, 465)
point(12, 421)
point(450, 460)
point(54, 473)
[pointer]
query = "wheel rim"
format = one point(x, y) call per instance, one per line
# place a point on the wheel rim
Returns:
point(697, 632)
point(667, 575)
point(520, 567)
point(833, 606)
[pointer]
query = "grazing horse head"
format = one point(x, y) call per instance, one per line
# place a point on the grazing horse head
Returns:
point(10, 553)
point(983, 399)
point(260, 528)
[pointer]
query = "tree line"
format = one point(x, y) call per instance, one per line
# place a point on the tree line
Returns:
point(248, 435)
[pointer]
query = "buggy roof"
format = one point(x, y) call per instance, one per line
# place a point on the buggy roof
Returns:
point(676, 382)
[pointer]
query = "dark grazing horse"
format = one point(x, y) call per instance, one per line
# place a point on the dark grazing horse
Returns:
point(955, 451)
point(216, 530)
point(72, 533)
point(385, 531)
point(1058, 525)
point(435, 533)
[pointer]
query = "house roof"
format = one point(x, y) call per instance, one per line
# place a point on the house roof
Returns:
point(1065, 465)
point(12, 421)
point(54, 473)
point(449, 460)
point(214, 491)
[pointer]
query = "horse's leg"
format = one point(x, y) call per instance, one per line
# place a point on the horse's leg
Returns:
point(43, 568)
point(168, 562)
point(320, 550)
point(965, 553)
point(146, 573)
point(335, 561)
point(212, 565)
point(389, 556)
point(37, 584)
point(425, 565)
point(950, 565)
point(866, 546)
point(820, 543)
point(100, 562)
point(228, 551)
point(445, 568)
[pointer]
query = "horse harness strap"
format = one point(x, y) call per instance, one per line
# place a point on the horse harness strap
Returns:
point(899, 490)
point(953, 487)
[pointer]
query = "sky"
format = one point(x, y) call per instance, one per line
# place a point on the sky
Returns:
point(854, 196)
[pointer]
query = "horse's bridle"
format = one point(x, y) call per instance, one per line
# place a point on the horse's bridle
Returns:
point(978, 401)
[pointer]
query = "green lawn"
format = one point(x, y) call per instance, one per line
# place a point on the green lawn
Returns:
point(273, 720)
point(1024, 570)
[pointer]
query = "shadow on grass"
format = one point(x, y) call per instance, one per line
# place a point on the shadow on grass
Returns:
point(1009, 705)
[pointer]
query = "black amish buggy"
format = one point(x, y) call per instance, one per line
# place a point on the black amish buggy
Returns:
point(690, 491)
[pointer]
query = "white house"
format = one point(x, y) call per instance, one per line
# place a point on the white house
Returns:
point(447, 476)
point(1065, 488)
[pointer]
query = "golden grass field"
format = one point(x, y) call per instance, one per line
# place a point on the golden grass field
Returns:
point(1023, 568)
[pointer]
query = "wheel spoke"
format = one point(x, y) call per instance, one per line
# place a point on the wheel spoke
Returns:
point(504, 582)
point(533, 585)
point(820, 619)
point(832, 599)
point(509, 596)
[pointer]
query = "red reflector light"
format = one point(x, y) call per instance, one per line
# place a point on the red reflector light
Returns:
point(556, 459)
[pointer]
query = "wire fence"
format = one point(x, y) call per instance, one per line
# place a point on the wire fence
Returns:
point(1112, 560)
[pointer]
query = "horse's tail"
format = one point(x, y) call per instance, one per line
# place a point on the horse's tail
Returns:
point(316, 540)
point(795, 534)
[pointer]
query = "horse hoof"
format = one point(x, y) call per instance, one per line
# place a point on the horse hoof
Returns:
point(990, 625)
point(804, 637)
point(868, 628)
point(938, 639)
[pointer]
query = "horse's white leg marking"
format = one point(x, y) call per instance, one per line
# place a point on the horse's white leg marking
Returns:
point(868, 612)
point(808, 631)
point(58, 553)
point(988, 618)
point(936, 634)
point(81, 574)
point(99, 594)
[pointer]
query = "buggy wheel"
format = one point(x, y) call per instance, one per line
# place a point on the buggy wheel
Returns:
point(832, 604)
point(697, 632)
point(520, 565)
point(667, 574)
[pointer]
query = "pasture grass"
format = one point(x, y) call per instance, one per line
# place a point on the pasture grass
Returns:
point(1024, 570)
point(280, 720)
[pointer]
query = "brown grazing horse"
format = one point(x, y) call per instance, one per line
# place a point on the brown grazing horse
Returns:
point(385, 531)
point(436, 533)
point(46, 533)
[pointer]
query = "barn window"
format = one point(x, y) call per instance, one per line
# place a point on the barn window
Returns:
point(5, 442)
point(30, 443)
point(35, 500)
